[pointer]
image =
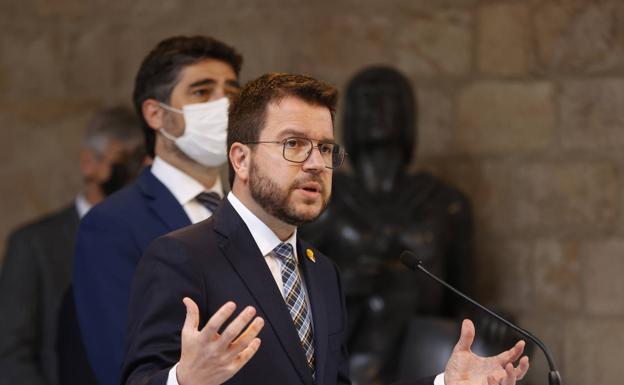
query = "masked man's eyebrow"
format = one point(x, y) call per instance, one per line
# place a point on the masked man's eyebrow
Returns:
point(203, 82)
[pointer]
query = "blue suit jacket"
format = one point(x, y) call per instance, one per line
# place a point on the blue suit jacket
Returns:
point(110, 241)
point(215, 261)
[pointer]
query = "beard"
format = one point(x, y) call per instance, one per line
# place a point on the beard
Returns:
point(275, 199)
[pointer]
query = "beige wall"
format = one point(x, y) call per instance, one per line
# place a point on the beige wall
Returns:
point(521, 106)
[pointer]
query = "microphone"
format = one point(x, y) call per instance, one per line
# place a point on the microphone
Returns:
point(410, 260)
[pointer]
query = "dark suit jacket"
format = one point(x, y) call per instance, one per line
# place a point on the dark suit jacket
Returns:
point(111, 239)
point(35, 275)
point(215, 261)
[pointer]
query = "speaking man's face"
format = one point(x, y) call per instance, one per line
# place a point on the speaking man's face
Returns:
point(294, 193)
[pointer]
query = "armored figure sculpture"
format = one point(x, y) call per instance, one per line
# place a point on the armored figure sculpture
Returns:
point(378, 211)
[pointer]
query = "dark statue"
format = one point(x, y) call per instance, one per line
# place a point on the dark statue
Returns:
point(380, 210)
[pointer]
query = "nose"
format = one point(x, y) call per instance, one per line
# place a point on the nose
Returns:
point(219, 92)
point(315, 162)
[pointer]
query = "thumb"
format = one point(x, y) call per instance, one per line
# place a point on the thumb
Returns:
point(191, 322)
point(467, 336)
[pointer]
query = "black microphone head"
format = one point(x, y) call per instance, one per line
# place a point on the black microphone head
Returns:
point(410, 260)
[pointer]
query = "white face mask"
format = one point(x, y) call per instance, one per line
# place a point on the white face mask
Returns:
point(205, 132)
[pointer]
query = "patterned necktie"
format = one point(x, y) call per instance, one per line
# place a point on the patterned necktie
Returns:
point(209, 200)
point(296, 300)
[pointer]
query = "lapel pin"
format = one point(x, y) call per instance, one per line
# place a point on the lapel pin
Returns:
point(310, 255)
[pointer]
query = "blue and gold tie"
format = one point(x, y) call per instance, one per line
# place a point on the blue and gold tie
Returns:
point(295, 298)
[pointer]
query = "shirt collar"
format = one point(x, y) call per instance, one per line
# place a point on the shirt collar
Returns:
point(264, 237)
point(183, 187)
point(82, 205)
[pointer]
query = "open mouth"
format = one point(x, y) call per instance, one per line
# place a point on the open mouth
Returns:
point(311, 187)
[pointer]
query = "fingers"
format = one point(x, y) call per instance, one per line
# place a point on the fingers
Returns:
point(248, 352)
point(248, 336)
point(466, 337)
point(512, 354)
point(191, 322)
point(218, 319)
point(523, 368)
point(509, 379)
point(235, 327)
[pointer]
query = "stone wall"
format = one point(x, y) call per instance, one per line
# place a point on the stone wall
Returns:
point(520, 106)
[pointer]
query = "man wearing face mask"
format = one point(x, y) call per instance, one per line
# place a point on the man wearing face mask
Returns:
point(38, 260)
point(181, 95)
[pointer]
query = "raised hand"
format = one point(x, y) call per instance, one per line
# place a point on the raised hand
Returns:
point(466, 368)
point(211, 358)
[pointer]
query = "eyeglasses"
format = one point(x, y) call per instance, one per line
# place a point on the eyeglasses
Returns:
point(298, 150)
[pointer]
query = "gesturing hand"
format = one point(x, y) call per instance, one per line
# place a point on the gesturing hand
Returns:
point(466, 368)
point(211, 358)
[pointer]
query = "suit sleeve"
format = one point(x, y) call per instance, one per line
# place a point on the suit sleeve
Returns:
point(20, 307)
point(105, 260)
point(166, 274)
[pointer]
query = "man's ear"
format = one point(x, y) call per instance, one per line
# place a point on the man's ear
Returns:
point(240, 158)
point(153, 113)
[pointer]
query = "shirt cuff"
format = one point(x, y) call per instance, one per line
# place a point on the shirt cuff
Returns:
point(172, 379)
point(439, 380)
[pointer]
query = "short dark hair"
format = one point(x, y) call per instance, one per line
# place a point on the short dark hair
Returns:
point(112, 123)
point(160, 70)
point(247, 114)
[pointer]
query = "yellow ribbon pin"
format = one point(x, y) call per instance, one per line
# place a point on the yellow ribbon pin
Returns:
point(310, 255)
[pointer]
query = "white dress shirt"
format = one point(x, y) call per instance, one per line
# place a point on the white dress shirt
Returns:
point(82, 205)
point(184, 189)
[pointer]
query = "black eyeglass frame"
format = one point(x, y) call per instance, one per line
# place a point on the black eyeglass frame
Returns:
point(312, 146)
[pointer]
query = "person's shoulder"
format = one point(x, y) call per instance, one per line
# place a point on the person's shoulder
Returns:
point(123, 203)
point(201, 231)
point(49, 223)
point(180, 246)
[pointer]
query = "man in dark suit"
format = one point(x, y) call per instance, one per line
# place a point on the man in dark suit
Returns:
point(180, 96)
point(38, 261)
point(248, 255)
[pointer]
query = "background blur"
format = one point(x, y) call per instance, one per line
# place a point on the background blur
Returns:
point(521, 105)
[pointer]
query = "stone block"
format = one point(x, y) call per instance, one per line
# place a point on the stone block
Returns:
point(593, 350)
point(557, 275)
point(565, 197)
point(434, 43)
point(434, 123)
point(503, 117)
point(602, 277)
point(63, 8)
point(504, 44)
point(343, 44)
point(591, 114)
point(504, 274)
point(33, 59)
point(579, 36)
point(488, 185)
point(510, 196)
point(92, 60)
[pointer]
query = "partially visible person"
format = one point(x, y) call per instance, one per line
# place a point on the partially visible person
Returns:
point(38, 260)
point(181, 97)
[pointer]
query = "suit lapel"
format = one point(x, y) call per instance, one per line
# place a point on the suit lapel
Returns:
point(244, 255)
point(313, 279)
point(162, 202)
